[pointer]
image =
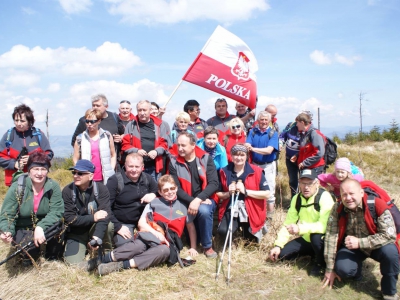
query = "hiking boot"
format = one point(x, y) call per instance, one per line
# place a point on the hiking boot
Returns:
point(390, 297)
point(317, 270)
point(108, 268)
point(89, 265)
point(210, 253)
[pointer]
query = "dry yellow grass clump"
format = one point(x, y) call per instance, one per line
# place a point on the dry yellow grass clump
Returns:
point(252, 277)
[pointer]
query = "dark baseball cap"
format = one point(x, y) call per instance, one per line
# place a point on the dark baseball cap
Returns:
point(308, 173)
point(84, 165)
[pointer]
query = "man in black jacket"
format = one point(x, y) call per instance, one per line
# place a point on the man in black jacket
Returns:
point(130, 191)
point(87, 211)
point(110, 121)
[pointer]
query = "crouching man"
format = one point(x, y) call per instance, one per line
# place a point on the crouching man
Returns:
point(352, 236)
point(307, 216)
point(87, 210)
point(150, 247)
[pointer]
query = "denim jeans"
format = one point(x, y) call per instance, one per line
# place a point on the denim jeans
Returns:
point(204, 223)
point(152, 172)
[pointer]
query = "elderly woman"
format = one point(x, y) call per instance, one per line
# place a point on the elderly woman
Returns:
point(249, 181)
point(21, 141)
point(32, 204)
point(182, 120)
point(97, 146)
point(150, 247)
point(236, 134)
point(210, 144)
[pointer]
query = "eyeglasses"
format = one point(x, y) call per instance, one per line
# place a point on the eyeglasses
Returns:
point(166, 190)
point(78, 173)
point(124, 101)
point(236, 126)
point(91, 121)
point(307, 184)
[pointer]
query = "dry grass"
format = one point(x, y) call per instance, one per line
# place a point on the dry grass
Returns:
point(252, 276)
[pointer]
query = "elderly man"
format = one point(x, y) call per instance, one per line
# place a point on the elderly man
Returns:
point(87, 210)
point(263, 143)
point(130, 191)
point(197, 179)
point(307, 216)
point(352, 235)
point(311, 146)
point(221, 118)
point(110, 121)
point(148, 136)
point(246, 115)
point(125, 112)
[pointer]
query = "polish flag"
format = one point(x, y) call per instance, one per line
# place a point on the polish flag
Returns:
point(226, 65)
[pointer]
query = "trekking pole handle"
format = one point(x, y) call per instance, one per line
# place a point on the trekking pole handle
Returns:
point(241, 181)
point(233, 181)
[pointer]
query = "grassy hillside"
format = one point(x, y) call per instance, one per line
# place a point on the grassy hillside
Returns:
point(252, 276)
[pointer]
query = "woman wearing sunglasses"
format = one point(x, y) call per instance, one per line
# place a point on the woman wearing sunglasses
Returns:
point(97, 146)
point(235, 135)
point(150, 247)
point(211, 145)
point(31, 206)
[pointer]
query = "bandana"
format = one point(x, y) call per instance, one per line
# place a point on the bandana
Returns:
point(36, 164)
point(239, 148)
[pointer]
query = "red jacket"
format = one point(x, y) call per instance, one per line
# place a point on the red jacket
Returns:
point(256, 208)
point(312, 149)
point(131, 141)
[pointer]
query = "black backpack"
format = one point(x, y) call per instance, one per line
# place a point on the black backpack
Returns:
point(316, 201)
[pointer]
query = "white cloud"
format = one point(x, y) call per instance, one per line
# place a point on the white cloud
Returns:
point(53, 88)
point(349, 61)
point(109, 59)
point(28, 10)
point(320, 58)
point(169, 12)
point(75, 6)
point(22, 79)
point(340, 95)
point(35, 90)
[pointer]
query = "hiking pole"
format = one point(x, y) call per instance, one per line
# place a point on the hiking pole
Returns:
point(226, 237)
point(233, 210)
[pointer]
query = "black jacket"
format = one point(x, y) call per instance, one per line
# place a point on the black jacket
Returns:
point(77, 216)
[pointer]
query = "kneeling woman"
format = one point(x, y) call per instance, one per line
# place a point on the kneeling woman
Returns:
point(31, 206)
point(150, 247)
point(252, 186)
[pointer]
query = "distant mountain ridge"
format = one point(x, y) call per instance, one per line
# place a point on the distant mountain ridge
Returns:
point(341, 131)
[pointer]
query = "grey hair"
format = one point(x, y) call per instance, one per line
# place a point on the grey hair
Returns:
point(142, 102)
point(264, 113)
point(101, 97)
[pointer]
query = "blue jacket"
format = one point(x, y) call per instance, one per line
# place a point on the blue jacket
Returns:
point(258, 139)
point(220, 159)
point(291, 137)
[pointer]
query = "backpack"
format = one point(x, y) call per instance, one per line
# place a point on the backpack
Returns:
point(92, 206)
point(373, 192)
point(21, 179)
point(330, 150)
point(316, 201)
point(120, 180)
point(10, 137)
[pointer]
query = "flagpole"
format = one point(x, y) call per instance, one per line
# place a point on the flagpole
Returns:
point(180, 82)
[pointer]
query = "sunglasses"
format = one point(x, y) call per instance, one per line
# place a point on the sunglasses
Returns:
point(236, 126)
point(124, 101)
point(91, 121)
point(169, 189)
point(78, 173)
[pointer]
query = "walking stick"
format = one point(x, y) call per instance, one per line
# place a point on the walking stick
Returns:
point(229, 236)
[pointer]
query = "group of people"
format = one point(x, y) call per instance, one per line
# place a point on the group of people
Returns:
point(138, 182)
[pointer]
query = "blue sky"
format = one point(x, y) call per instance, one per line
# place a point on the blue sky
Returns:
point(55, 54)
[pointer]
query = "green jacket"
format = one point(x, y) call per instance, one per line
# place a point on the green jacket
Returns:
point(50, 210)
point(308, 219)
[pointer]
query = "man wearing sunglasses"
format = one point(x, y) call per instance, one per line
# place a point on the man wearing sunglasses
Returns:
point(87, 211)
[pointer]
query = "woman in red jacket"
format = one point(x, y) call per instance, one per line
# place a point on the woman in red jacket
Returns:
point(235, 135)
point(249, 181)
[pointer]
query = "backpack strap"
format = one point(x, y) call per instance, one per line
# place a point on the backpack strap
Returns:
point(21, 188)
point(317, 198)
point(120, 182)
point(9, 139)
point(226, 137)
point(371, 206)
point(36, 132)
point(95, 190)
point(271, 132)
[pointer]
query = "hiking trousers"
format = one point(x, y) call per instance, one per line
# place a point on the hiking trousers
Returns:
point(348, 264)
point(300, 247)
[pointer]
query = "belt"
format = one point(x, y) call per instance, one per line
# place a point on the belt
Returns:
point(262, 163)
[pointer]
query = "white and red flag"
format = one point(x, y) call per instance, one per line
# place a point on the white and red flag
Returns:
point(226, 65)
